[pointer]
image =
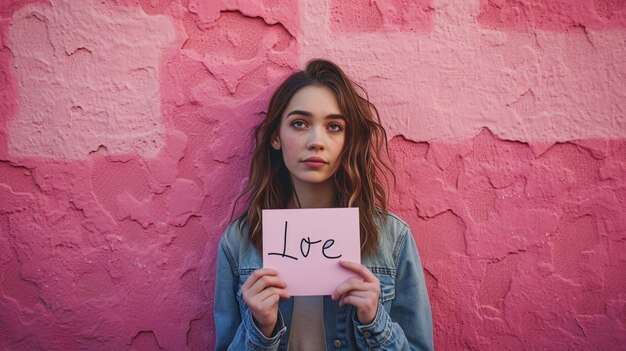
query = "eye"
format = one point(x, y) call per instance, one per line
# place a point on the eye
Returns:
point(298, 124)
point(335, 127)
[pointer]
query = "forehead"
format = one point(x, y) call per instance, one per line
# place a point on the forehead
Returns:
point(319, 100)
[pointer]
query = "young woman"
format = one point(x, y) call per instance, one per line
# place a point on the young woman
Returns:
point(320, 145)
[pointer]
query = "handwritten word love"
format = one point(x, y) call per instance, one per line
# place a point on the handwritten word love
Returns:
point(305, 247)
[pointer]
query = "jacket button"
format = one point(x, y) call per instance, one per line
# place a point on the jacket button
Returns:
point(337, 343)
point(367, 334)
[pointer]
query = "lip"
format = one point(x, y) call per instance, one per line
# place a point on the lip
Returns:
point(314, 162)
point(314, 159)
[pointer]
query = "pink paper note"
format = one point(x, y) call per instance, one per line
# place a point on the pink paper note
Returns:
point(306, 245)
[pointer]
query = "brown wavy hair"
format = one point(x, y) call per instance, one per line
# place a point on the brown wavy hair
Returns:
point(357, 178)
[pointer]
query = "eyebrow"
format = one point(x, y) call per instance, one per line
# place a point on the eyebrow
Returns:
point(309, 114)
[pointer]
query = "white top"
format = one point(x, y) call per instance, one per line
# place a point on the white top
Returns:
point(307, 324)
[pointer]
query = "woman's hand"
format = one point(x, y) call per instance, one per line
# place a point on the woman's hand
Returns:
point(361, 293)
point(261, 292)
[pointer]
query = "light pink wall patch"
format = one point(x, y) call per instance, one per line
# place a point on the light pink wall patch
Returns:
point(87, 75)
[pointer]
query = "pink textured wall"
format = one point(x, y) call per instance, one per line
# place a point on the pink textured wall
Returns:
point(124, 136)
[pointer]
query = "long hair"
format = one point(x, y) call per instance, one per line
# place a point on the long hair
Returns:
point(361, 163)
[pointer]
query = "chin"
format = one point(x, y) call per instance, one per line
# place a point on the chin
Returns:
point(314, 180)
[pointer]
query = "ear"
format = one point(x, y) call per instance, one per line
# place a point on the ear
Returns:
point(276, 142)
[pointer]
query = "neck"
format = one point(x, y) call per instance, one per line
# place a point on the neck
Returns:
point(313, 195)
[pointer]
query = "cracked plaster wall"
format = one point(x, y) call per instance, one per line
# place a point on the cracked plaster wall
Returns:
point(124, 136)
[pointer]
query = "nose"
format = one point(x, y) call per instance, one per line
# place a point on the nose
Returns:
point(315, 139)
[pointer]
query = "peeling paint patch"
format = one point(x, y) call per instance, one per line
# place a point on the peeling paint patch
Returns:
point(74, 64)
point(234, 55)
point(145, 340)
point(381, 16)
point(18, 178)
point(496, 283)
point(558, 15)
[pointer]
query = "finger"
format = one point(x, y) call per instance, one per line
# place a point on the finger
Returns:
point(359, 269)
point(269, 302)
point(270, 292)
point(349, 300)
point(347, 286)
point(354, 300)
point(363, 294)
point(256, 275)
point(359, 299)
point(256, 294)
point(267, 282)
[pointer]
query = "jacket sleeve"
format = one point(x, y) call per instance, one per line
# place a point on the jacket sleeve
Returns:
point(234, 325)
point(408, 325)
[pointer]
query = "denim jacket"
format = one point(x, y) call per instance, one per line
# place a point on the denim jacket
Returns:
point(403, 320)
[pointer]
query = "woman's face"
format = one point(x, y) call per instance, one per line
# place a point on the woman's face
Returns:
point(311, 135)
